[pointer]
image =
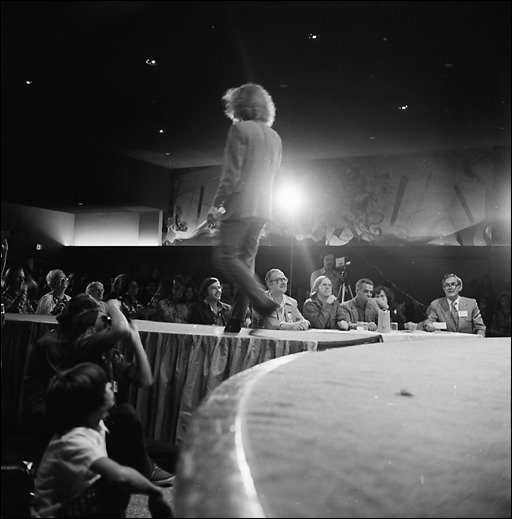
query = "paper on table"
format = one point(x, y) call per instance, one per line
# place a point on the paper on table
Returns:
point(439, 326)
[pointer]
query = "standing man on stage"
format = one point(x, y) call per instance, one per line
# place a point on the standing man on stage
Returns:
point(243, 200)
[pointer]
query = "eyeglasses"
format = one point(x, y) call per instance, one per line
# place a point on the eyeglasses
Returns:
point(450, 285)
point(280, 280)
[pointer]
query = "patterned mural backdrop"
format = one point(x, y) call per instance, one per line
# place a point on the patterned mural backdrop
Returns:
point(439, 198)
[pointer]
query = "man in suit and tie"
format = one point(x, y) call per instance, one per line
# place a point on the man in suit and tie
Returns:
point(461, 314)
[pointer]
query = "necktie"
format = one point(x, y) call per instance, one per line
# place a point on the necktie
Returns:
point(455, 313)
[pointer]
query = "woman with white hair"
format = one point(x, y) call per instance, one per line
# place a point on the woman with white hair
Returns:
point(54, 301)
point(322, 309)
point(96, 290)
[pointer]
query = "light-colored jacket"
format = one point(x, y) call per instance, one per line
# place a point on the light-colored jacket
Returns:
point(252, 159)
point(274, 320)
point(471, 322)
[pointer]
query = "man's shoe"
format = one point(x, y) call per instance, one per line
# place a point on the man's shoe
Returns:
point(233, 326)
point(161, 478)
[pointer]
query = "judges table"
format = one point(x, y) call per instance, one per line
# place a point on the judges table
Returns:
point(188, 361)
point(400, 429)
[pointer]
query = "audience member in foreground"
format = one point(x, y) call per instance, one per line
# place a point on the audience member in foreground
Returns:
point(287, 315)
point(104, 342)
point(363, 308)
point(461, 314)
point(86, 335)
point(210, 309)
point(323, 309)
point(76, 477)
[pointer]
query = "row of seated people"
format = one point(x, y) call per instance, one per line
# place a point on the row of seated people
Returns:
point(323, 310)
point(172, 300)
point(495, 308)
point(152, 292)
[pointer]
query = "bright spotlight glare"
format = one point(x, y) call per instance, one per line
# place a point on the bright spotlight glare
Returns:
point(289, 198)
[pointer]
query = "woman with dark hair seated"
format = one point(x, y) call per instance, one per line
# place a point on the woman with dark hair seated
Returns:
point(386, 301)
point(129, 293)
point(14, 292)
point(210, 309)
point(171, 308)
point(500, 326)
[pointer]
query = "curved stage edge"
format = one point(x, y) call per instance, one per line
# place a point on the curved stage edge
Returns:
point(400, 429)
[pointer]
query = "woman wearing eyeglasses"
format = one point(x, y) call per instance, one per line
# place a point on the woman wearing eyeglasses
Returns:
point(461, 314)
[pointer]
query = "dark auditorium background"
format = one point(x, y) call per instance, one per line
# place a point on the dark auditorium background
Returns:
point(395, 120)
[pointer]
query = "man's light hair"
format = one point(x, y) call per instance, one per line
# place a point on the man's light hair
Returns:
point(52, 276)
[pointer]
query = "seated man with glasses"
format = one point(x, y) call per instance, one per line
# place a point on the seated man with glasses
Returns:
point(287, 315)
point(461, 314)
point(363, 308)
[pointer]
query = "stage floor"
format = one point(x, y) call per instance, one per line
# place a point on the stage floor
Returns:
point(404, 429)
